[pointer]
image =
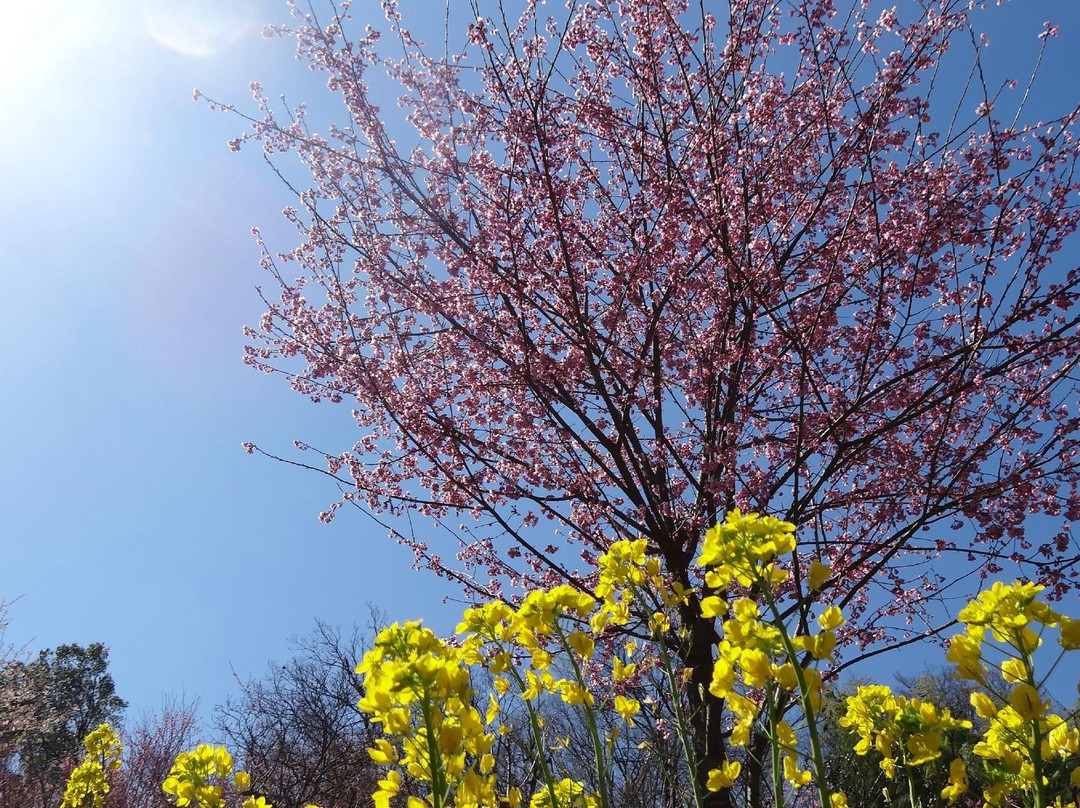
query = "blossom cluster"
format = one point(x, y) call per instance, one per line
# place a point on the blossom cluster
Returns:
point(760, 664)
point(204, 777)
point(560, 643)
point(88, 784)
point(1023, 737)
point(1023, 746)
point(198, 779)
point(418, 688)
point(904, 729)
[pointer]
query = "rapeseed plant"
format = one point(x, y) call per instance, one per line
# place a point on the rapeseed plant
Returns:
point(88, 784)
point(564, 643)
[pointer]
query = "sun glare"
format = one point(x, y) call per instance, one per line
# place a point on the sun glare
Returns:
point(26, 35)
point(198, 27)
point(58, 61)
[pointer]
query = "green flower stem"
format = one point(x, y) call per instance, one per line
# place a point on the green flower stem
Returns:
point(804, 697)
point(1036, 734)
point(438, 779)
point(590, 720)
point(774, 742)
point(538, 737)
point(1037, 765)
point(912, 801)
point(680, 718)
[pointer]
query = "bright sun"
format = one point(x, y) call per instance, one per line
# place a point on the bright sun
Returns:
point(57, 57)
point(66, 62)
point(25, 39)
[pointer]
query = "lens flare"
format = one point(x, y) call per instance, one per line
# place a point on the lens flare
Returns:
point(200, 28)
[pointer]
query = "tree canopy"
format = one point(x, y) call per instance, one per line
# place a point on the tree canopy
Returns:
point(644, 265)
point(629, 265)
point(56, 699)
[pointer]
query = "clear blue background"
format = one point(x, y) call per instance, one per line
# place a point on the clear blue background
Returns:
point(128, 512)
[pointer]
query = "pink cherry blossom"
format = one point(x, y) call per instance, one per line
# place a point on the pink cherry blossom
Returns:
point(643, 266)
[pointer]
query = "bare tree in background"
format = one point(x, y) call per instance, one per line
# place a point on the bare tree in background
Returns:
point(298, 731)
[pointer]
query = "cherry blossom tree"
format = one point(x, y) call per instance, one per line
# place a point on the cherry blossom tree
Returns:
point(620, 269)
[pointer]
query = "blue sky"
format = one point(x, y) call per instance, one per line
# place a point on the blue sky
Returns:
point(130, 514)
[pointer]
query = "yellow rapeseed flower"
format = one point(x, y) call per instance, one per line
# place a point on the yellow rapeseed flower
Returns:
point(88, 784)
point(983, 704)
point(713, 606)
point(923, 747)
point(1069, 636)
point(1025, 700)
point(568, 794)
point(725, 776)
point(831, 618)
point(966, 654)
point(627, 708)
point(816, 576)
point(1062, 740)
point(958, 782)
point(742, 548)
point(1014, 670)
point(582, 644)
point(793, 774)
point(621, 671)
